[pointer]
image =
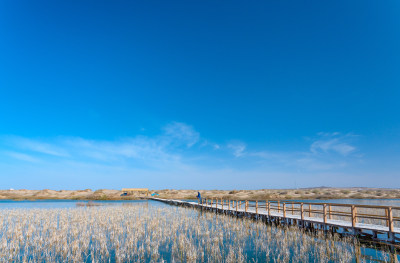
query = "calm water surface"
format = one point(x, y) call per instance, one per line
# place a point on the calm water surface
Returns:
point(49, 204)
point(7, 204)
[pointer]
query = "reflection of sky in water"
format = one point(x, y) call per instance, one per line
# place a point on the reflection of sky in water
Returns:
point(8, 204)
point(29, 204)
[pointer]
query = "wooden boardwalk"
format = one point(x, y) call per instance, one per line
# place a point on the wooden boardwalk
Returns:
point(375, 223)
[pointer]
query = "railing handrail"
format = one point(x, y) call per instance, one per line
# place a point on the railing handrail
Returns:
point(326, 209)
point(332, 204)
point(316, 204)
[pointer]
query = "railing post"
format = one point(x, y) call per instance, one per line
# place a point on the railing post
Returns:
point(353, 216)
point(279, 207)
point(257, 207)
point(222, 203)
point(284, 209)
point(309, 210)
point(390, 220)
point(229, 204)
point(292, 208)
point(268, 207)
point(325, 215)
point(236, 205)
point(302, 211)
point(330, 211)
point(245, 206)
point(387, 217)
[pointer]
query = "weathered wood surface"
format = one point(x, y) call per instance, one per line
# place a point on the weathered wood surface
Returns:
point(282, 213)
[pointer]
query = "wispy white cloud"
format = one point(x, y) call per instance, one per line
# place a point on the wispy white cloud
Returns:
point(238, 148)
point(22, 156)
point(182, 133)
point(334, 142)
point(326, 151)
point(314, 164)
point(179, 149)
point(36, 146)
point(142, 149)
point(155, 151)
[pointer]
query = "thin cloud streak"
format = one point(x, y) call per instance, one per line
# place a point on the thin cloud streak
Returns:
point(36, 146)
point(237, 148)
point(328, 151)
point(182, 133)
point(177, 150)
point(22, 157)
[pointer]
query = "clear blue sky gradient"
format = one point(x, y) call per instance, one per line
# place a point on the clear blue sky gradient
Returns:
point(199, 94)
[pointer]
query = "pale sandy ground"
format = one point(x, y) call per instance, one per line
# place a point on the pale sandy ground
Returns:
point(263, 194)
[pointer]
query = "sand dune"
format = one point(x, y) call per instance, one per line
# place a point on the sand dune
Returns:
point(263, 194)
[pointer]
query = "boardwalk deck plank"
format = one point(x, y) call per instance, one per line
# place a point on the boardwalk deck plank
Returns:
point(331, 222)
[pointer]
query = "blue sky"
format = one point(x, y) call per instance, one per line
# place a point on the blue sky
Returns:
point(199, 94)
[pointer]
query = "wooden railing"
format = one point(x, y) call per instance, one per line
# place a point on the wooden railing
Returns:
point(388, 216)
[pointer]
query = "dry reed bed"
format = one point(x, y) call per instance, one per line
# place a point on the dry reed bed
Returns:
point(147, 233)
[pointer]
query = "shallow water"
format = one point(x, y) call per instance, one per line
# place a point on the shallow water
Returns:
point(211, 223)
point(9, 204)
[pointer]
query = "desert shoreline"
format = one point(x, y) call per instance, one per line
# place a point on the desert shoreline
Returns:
point(322, 193)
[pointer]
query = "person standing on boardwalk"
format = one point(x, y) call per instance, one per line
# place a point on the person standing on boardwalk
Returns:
point(199, 196)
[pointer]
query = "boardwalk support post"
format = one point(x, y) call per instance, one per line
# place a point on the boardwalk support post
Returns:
point(257, 207)
point(302, 211)
point(325, 217)
point(284, 213)
point(390, 220)
point(313, 223)
point(353, 217)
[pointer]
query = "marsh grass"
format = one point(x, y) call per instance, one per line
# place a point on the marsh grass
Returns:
point(147, 233)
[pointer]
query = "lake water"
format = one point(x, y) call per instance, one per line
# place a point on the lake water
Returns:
point(7, 204)
point(193, 217)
